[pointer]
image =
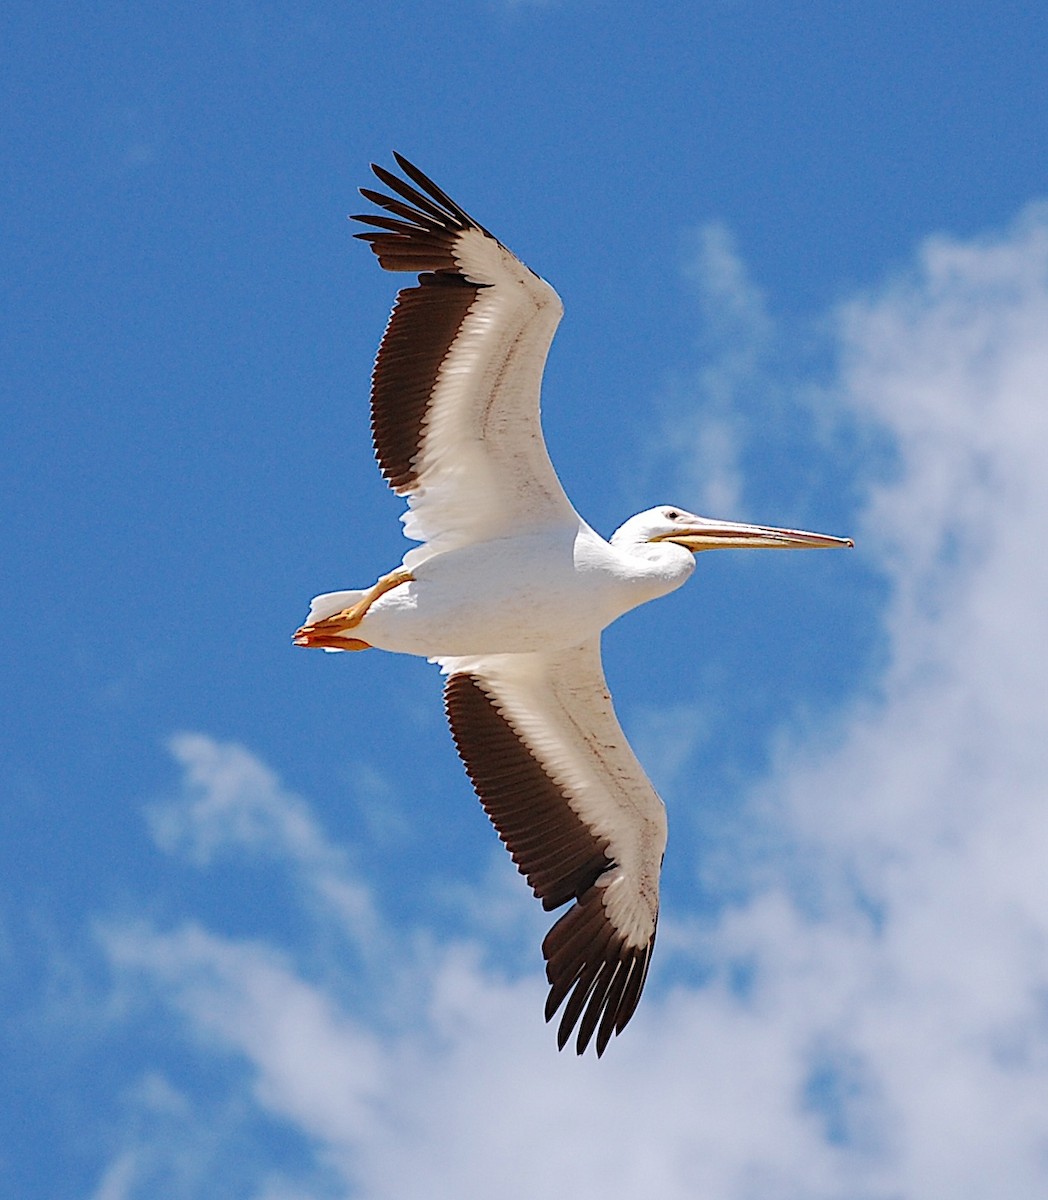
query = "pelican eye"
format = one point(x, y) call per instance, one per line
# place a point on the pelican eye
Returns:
point(671, 514)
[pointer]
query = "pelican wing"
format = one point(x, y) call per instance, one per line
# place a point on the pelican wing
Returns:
point(554, 772)
point(455, 389)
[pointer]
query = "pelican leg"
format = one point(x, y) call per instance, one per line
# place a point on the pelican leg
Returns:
point(330, 633)
point(328, 641)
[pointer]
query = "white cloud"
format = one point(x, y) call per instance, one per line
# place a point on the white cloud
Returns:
point(118, 1179)
point(732, 307)
point(872, 1020)
point(230, 801)
point(314, 1065)
point(700, 437)
point(935, 806)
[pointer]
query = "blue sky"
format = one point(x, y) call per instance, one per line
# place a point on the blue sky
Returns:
point(256, 937)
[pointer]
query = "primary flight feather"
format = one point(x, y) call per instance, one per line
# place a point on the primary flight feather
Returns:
point(509, 590)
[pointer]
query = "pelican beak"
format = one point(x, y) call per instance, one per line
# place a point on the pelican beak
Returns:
point(716, 535)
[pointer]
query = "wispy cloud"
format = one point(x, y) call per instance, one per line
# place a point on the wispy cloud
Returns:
point(229, 799)
point(700, 440)
point(118, 1180)
point(732, 307)
point(869, 1017)
point(230, 802)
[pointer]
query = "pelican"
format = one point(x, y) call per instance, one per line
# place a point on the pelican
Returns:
point(509, 590)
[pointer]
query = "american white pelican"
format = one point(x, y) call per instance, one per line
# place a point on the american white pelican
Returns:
point(510, 589)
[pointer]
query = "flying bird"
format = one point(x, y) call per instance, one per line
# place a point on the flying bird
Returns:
point(509, 590)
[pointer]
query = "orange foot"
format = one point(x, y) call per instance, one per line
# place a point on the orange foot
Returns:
point(327, 641)
point(331, 632)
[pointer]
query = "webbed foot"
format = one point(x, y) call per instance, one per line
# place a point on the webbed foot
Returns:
point(330, 633)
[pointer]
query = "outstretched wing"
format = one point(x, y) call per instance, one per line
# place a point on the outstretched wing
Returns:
point(455, 390)
point(554, 772)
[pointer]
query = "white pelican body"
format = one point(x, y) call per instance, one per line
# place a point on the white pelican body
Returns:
point(543, 590)
point(509, 590)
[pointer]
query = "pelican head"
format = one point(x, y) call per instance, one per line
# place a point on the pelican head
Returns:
point(669, 524)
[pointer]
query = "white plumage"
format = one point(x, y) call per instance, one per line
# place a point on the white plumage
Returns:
point(509, 590)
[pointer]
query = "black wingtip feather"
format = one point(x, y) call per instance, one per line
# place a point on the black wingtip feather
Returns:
point(437, 193)
point(451, 216)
